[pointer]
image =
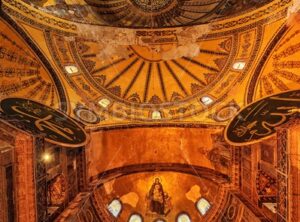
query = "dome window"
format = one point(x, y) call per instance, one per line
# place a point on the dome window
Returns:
point(115, 208)
point(203, 206)
point(135, 218)
point(206, 100)
point(71, 69)
point(104, 103)
point(156, 115)
point(239, 65)
point(183, 217)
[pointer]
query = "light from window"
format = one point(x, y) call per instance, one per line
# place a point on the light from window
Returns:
point(71, 69)
point(271, 206)
point(206, 100)
point(135, 218)
point(47, 157)
point(115, 208)
point(156, 115)
point(183, 218)
point(239, 65)
point(104, 103)
point(203, 206)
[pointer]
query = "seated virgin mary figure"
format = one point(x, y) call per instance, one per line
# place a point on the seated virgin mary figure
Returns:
point(156, 198)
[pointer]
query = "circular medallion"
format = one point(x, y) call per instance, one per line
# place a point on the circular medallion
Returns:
point(226, 113)
point(86, 115)
point(35, 117)
point(260, 119)
point(152, 5)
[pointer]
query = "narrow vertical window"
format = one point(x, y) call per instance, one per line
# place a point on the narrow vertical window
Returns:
point(183, 218)
point(206, 100)
point(115, 208)
point(135, 218)
point(203, 206)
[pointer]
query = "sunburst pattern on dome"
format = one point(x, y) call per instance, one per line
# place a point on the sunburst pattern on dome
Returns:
point(144, 78)
point(142, 84)
point(280, 70)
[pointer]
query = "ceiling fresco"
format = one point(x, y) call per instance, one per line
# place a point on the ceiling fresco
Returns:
point(145, 13)
point(197, 75)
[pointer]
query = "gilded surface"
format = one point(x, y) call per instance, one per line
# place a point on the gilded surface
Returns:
point(21, 71)
point(140, 85)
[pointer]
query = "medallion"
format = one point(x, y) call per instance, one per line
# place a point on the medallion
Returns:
point(259, 120)
point(34, 117)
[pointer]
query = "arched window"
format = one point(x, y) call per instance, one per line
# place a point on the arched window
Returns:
point(203, 206)
point(115, 208)
point(156, 115)
point(71, 69)
point(183, 218)
point(135, 218)
point(240, 65)
point(206, 100)
point(104, 103)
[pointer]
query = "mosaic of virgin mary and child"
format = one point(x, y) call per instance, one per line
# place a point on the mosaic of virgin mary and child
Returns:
point(158, 202)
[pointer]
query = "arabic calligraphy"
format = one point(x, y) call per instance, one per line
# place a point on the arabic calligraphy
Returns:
point(57, 127)
point(260, 119)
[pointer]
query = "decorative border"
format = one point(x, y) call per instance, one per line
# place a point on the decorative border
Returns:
point(154, 125)
point(257, 14)
point(283, 180)
point(43, 17)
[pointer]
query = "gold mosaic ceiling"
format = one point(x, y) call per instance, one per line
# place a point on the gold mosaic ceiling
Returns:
point(23, 73)
point(145, 13)
point(136, 83)
point(165, 13)
point(280, 70)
